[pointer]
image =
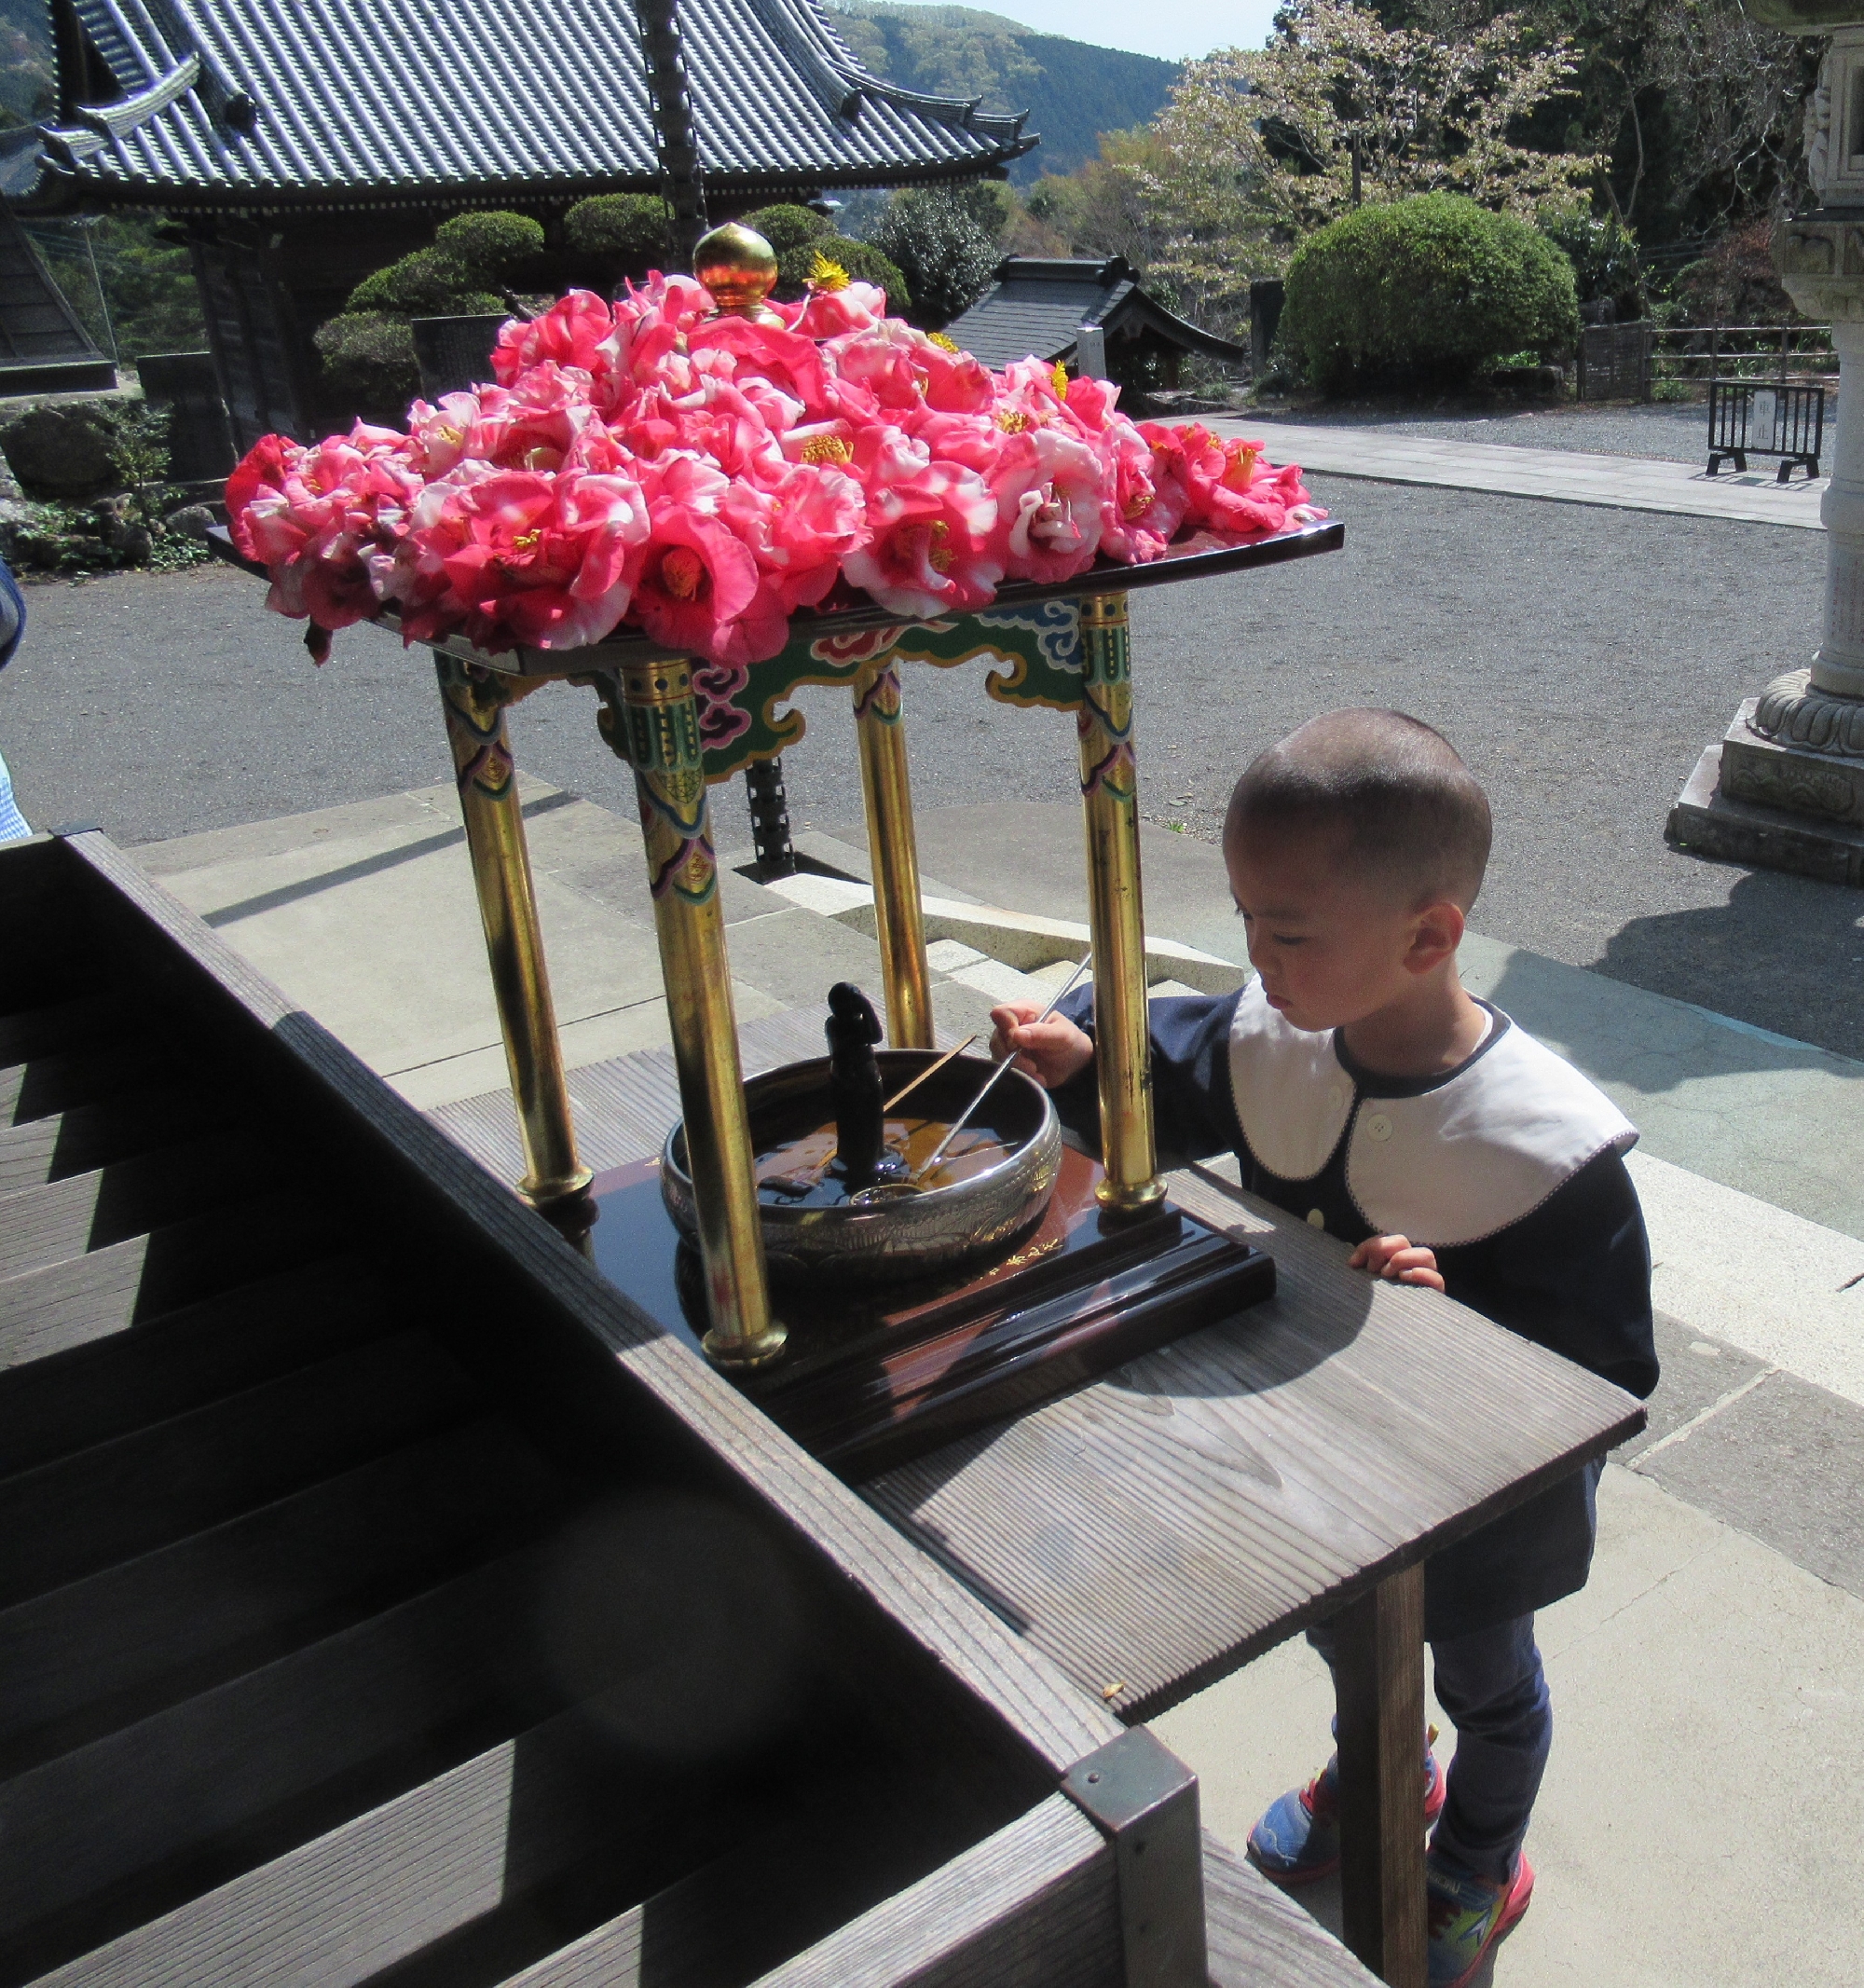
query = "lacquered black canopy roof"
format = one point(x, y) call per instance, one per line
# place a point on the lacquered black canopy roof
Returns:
point(267, 103)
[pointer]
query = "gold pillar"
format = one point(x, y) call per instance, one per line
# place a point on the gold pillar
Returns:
point(495, 837)
point(893, 854)
point(1110, 796)
point(663, 744)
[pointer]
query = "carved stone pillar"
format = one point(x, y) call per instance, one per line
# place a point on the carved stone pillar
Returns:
point(1785, 786)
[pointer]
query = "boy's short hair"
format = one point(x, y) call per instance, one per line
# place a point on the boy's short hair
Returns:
point(1392, 787)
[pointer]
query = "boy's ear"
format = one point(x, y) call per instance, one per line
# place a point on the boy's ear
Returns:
point(1435, 935)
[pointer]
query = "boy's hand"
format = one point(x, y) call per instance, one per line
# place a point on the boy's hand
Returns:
point(1402, 1261)
point(1050, 1051)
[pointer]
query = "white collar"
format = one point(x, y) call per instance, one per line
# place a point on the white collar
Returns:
point(1451, 1162)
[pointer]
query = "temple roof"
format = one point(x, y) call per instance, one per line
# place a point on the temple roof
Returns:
point(265, 103)
point(1038, 305)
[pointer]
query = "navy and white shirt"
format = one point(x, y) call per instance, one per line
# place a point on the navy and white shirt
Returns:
point(1510, 1167)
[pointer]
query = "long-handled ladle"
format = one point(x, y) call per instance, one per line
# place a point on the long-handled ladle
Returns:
point(990, 1082)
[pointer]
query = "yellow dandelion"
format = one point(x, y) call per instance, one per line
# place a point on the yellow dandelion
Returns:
point(826, 275)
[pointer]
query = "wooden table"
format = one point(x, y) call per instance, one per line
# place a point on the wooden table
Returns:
point(1159, 1529)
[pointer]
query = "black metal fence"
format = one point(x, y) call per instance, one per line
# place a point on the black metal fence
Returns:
point(1759, 418)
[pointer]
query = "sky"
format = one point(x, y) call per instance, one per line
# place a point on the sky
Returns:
point(1170, 28)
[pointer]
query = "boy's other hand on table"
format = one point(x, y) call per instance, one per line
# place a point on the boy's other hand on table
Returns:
point(1050, 1051)
point(1399, 1258)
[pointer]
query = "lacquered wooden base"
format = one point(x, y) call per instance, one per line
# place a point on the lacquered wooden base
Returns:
point(872, 1377)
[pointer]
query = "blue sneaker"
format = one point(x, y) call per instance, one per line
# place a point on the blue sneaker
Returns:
point(1297, 1840)
point(1468, 1915)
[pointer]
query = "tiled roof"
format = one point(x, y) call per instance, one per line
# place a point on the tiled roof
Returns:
point(242, 102)
point(1037, 306)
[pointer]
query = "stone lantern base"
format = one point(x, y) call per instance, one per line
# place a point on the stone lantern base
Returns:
point(1780, 790)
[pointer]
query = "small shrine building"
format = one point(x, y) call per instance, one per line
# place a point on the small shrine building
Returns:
point(1089, 314)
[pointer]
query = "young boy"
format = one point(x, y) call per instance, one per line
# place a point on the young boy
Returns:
point(1362, 1087)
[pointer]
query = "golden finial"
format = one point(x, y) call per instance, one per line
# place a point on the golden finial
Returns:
point(738, 266)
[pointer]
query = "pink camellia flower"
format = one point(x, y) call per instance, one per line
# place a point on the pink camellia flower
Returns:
point(900, 367)
point(930, 552)
point(533, 424)
point(439, 436)
point(1050, 489)
point(1144, 509)
point(698, 578)
point(1229, 489)
point(829, 311)
point(800, 527)
point(790, 362)
point(535, 557)
point(259, 477)
point(577, 330)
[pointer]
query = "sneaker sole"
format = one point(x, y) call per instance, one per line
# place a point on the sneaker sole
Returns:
point(1520, 1896)
point(1313, 1874)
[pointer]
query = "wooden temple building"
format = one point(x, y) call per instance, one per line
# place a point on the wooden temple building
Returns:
point(299, 148)
point(1090, 313)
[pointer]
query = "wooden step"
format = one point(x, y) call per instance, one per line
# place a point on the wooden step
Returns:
point(47, 1084)
point(98, 1654)
point(104, 1373)
point(49, 1312)
point(27, 1033)
point(342, 1909)
point(70, 1518)
point(42, 1226)
point(272, 1758)
point(85, 1137)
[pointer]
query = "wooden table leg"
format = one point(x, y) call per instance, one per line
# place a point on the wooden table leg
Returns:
point(1379, 1681)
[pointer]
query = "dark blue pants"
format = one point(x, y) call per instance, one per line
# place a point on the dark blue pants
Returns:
point(1491, 1684)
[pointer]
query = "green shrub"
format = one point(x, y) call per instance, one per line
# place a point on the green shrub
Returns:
point(787, 227)
point(860, 259)
point(1602, 251)
point(944, 251)
point(492, 246)
point(369, 363)
point(1421, 293)
point(427, 283)
point(627, 230)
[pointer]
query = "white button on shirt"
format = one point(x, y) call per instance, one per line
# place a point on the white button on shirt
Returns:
point(1317, 1218)
point(1379, 1126)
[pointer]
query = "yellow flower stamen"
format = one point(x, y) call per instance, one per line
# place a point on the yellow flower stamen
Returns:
point(940, 558)
point(449, 433)
point(1011, 421)
point(1058, 380)
point(826, 275)
point(826, 448)
point(525, 540)
point(682, 571)
point(943, 343)
point(1241, 467)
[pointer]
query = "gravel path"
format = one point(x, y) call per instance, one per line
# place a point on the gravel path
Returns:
point(1580, 657)
point(1675, 433)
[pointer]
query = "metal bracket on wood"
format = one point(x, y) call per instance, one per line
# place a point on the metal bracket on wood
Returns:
point(1144, 1800)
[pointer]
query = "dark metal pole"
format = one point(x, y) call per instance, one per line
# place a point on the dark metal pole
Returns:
point(770, 818)
point(680, 174)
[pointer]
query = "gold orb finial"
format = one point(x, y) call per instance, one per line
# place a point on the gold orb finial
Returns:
point(738, 266)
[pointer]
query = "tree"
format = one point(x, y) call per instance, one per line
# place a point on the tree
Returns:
point(942, 247)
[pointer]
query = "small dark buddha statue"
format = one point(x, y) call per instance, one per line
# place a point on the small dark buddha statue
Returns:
point(855, 1084)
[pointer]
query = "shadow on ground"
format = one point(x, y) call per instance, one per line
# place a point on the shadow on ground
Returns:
point(1748, 958)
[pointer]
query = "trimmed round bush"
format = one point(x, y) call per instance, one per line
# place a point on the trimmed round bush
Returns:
point(490, 246)
point(423, 284)
point(628, 229)
point(369, 364)
point(1423, 292)
point(787, 227)
point(860, 259)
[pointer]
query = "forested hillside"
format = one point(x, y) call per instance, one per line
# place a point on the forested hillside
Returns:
point(1071, 90)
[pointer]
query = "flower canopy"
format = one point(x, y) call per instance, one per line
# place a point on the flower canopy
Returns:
point(701, 477)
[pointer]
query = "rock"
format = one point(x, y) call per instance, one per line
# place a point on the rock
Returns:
point(16, 517)
point(62, 450)
point(192, 521)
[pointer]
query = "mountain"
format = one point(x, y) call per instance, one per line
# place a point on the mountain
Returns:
point(1071, 90)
